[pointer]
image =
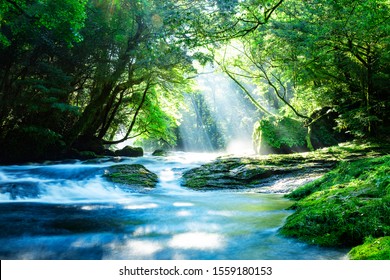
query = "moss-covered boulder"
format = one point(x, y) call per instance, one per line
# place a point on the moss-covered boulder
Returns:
point(129, 151)
point(251, 172)
point(263, 171)
point(133, 175)
point(285, 135)
point(160, 153)
point(279, 136)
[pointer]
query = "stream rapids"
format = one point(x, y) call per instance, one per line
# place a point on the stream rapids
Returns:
point(71, 211)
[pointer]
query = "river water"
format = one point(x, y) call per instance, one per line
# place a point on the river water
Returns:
point(68, 210)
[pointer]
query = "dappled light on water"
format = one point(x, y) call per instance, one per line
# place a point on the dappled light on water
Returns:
point(134, 249)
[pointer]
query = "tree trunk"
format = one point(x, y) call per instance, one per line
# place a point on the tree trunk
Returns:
point(370, 89)
point(130, 129)
point(85, 124)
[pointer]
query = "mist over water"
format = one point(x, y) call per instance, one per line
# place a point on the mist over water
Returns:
point(69, 211)
point(218, 116)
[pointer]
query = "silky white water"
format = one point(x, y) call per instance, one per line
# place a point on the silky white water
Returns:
point(69, 211)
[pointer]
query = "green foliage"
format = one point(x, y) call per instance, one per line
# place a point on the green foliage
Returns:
point(56, 74)
point(158, 124)
point(63, 18)
point(372, 249)
point(77, 68)
point(344, 207)
point(280, 133)
point(32, 143)
point(322, 53)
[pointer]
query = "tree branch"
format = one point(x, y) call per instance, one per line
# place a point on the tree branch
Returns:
point(248, 94)
point(148, 85)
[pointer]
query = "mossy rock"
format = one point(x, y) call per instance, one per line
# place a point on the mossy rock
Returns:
point(372, 249)
point(262, 171)
point(279, 136)
point(241, 173)
point(160, 153)
point(129, 151)
point(134, 175)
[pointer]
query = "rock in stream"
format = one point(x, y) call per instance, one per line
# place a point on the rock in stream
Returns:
point(255, 172)
point(133, 175)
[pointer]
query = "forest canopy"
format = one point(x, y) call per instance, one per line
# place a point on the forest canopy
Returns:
point(79, 74)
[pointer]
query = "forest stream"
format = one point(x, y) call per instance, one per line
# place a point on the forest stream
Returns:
point(72, 212)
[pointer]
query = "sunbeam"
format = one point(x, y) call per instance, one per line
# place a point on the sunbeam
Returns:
point(219, 117)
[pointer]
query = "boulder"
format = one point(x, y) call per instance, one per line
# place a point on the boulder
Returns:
point(133, 175)
point(279, 136)
point(252, 172)
point(159, 153)
point(231, 173)
point(129, 151)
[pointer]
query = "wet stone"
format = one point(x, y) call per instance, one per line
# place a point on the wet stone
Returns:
point(132, 175)
point(249, 173)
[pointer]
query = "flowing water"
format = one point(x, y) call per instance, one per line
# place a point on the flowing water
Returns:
point(69, 211)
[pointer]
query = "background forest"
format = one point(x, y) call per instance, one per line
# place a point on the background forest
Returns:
point(79, 75)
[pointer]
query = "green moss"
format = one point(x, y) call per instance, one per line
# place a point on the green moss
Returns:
point(131, 174)
point(196, 183)
point(345, 206)
point(372, 249)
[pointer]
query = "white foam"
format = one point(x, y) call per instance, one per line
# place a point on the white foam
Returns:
point(141, 206)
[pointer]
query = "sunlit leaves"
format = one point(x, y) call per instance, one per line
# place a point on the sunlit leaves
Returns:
point(325, 53)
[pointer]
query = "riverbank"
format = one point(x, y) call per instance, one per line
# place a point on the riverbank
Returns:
point(346, 205)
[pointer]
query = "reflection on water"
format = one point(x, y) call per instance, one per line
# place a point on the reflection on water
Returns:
point(76, 214)
point(197, 241)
